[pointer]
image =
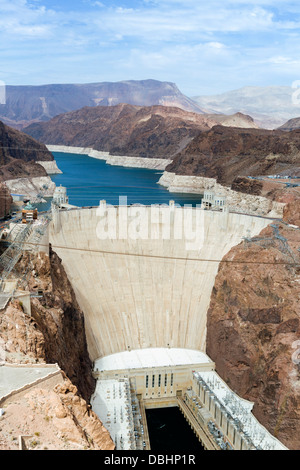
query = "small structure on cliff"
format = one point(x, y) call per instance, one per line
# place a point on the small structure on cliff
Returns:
point(17, 197)
point(213, 201)
point(29, 214)
point(60, 196)
point(60, 199)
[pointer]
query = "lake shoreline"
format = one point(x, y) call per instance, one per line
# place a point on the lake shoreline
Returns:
point(236, 201)
point(192, 186)
point(115, 160)
point(90, 180)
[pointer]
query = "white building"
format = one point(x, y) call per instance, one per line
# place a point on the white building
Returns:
point(60, 196)
point(60, 199)
point(213, 201)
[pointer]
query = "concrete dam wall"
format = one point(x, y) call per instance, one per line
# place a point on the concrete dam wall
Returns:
point(143, 276)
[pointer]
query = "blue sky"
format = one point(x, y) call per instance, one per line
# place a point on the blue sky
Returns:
point(205, 47)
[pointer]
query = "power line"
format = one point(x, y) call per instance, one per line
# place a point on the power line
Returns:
point(162, 257)
point(27, 149)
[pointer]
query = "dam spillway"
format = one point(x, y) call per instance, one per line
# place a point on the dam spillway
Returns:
point(145, 285)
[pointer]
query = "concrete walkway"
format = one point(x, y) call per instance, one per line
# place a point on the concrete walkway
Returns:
point(15, 377)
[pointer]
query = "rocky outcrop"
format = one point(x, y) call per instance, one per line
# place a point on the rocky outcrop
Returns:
point(35, 189)
point(237, 201)
point(290, 125)
point(235, 120)
point(254, 324)
point(51, 417)
point(19, 155)
point(17, 145)
point(247, 186)
point(50, 167)
point(143, 132)
point(226, 160)
point(24, 166)
point(226, 153)
point(292, 211)
point(19, 169)
point(55, 331)
point(5, 201)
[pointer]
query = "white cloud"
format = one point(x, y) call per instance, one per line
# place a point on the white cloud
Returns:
point(168, 24)
point(216, 45)
point(21, 19)
point(190, 41)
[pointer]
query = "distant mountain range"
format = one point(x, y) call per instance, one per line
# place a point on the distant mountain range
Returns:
point(269, 106)
point(27, 104)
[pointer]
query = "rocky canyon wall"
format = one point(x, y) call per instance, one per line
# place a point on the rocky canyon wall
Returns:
point(55, 331)
point(5, 201)
point(253, 325)
point(57, 416)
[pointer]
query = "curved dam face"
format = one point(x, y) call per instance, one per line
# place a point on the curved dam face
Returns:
point(143, 276)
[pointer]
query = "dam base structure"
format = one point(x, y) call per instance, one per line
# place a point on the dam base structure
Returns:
point(143, 277)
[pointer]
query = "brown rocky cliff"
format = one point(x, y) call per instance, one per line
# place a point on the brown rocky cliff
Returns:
point(247, 186)
point(19, 154)
point(17, 145)
point(292, 211)
point(60, 418)
point(234, 120)
point(55, 331)
point(52, 417)
point(227, 153)
point(5, 201)
point(139, 131)
point(75, 407)
point(290, 125)
point(254, 323)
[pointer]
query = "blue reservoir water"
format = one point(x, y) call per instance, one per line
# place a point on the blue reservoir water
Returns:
point(89, 180)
